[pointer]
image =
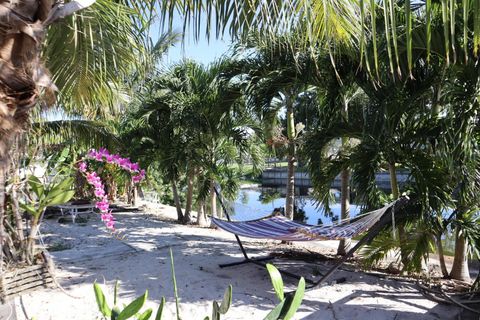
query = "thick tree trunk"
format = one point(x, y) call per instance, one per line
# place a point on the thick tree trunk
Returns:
point(345, 244)
point(460, 261)
point(188, 206)
point(441, 256)
point(176, 199)
point(290, 197)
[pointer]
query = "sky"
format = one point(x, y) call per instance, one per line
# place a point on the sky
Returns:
point(204, 50)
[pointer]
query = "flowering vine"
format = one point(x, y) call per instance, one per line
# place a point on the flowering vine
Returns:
point(103, 155)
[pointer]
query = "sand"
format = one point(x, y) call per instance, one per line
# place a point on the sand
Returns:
point(141, 261)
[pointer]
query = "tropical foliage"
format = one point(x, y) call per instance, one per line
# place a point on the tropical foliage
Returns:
point(378, 86)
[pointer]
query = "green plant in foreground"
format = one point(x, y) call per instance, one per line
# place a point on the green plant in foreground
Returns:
point(289, 303)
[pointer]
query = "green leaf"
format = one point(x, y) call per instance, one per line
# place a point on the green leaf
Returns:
point(133, 307)
point(296, 301)
point(408, 18)
point(160, 309)
point(373, 6)
point(60, 198)
point(446, 32)
point(428, 13)
point(115, 293)
point(63, 155)
point(175, 291)
point(115, 313)
point(277, 281)
point(466, 6)
point(215, 311)
point(101, 301)
point(276, 312)
point(146, 315)
point(36, 185)
point(227, 300)
point(59, 188)
point(30, 209)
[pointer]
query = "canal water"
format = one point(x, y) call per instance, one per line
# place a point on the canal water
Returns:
point(254, 203)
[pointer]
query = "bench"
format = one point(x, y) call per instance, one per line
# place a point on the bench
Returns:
point(75, 209)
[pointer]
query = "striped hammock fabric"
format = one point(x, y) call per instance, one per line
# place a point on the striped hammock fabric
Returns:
point(278, 227)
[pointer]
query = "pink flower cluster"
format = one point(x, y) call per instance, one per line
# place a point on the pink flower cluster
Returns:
point(102, 205)
point(93, 179)
point(104, 156)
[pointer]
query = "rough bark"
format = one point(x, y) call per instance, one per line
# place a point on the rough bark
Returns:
point(176, 199)
point(2, 214)
point(291, 158)
point(345, 244)
point(188, 206)
point(460, 269)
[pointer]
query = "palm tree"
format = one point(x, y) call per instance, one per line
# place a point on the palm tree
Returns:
point(347, 27)
point(194, 126)
point(277, 77)
point(459, 149)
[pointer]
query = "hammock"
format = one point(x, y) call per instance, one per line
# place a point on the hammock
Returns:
point(278, 227)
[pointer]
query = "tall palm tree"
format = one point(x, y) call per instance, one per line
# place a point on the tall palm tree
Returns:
point(277, 77)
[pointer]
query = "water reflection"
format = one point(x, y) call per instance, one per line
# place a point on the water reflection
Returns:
point(257, 203)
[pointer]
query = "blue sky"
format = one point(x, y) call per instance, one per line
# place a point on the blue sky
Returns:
point(204, 50)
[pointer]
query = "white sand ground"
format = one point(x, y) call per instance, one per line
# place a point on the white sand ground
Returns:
point(141, 261)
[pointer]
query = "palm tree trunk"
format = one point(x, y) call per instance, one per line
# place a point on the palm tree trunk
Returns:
point(2, 215)
point(188, 206)
point(213, 200)
point(176, 199)
point(344, 244)
point(396, 195)
point(201, 218)
point(290, 197)
point(441, 256)
point(460, 261)
point(135, 195)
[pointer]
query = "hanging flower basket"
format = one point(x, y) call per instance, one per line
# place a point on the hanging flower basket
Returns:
point(23, 280)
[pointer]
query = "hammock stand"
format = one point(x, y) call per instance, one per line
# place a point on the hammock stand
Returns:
point(384, 219)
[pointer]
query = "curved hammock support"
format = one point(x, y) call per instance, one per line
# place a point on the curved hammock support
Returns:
point(278, 227)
